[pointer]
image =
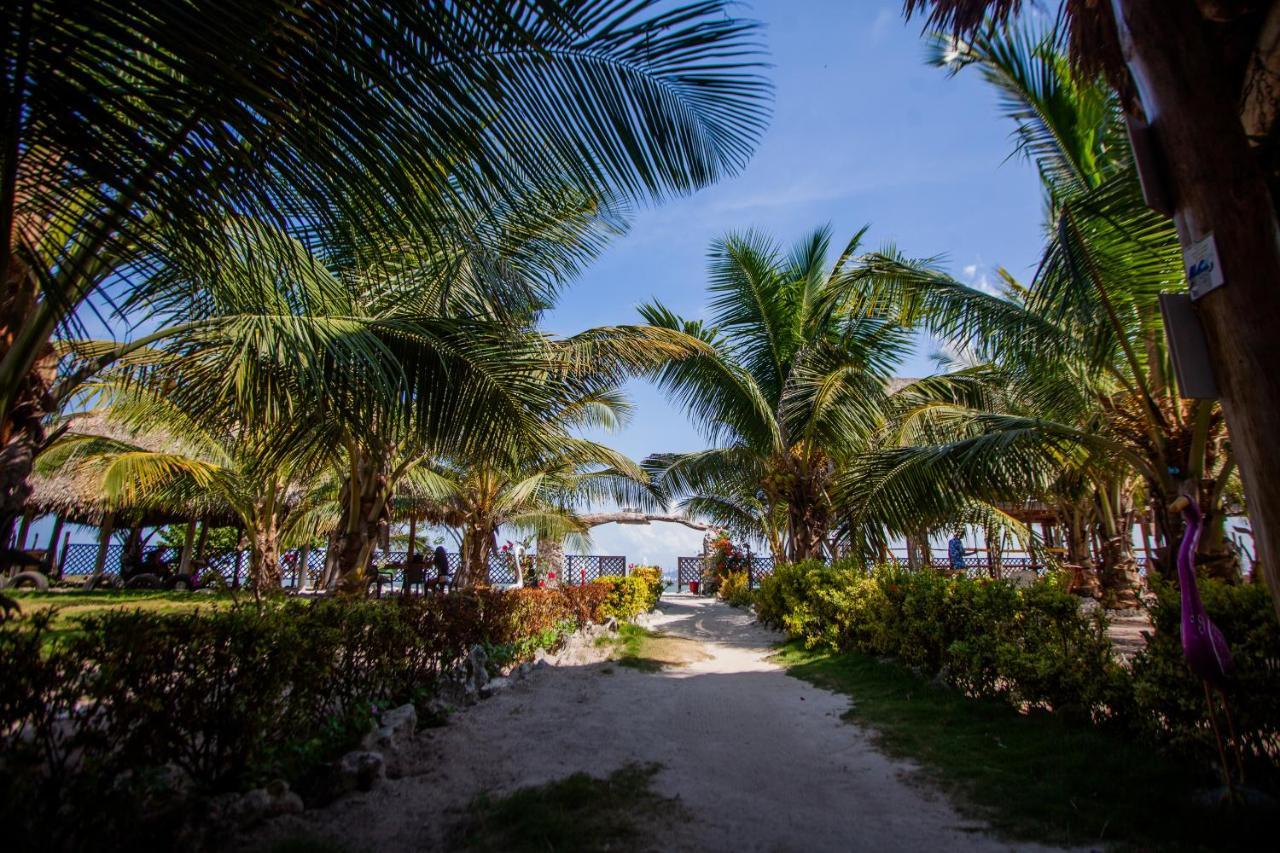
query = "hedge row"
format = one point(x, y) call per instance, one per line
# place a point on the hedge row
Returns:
point(95, 721)
point(1035, 648)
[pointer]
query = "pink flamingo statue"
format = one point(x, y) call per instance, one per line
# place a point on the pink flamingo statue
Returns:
point(1203, 644)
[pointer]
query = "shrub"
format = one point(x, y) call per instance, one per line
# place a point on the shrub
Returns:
point(1034, 648)
point(651, 575)
point(1172, 698)
point(628, 596)
point(586, 602)
point(101, 716)
point(735, 590)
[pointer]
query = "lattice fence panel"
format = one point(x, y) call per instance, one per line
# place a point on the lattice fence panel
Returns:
point(687, 569)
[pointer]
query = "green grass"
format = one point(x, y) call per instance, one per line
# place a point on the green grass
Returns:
point(577, 814)
point(73, 603)
point(649, 651)
point(1033, 777)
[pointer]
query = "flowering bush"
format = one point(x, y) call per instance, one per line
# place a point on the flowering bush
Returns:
point(724, 559)
point(628, 596)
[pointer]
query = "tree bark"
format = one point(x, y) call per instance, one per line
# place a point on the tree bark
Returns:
point(1219, 189)
point(22, 433)
point(55, 550)
point(551, 560)
point(365, 505)
point(995, 552)
point(265, 574)
point(104, 539)
point(188, 542)
point(477, 542)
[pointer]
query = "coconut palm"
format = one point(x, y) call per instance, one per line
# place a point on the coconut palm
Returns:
point(792, 387)
point(1204, 73)
point(136, 127)
point(1078, 359)
point(201, 462)
point(539, 495)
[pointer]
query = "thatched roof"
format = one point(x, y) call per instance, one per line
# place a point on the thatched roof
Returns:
point(74, 491)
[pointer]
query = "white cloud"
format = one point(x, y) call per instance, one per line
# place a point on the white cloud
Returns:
point(884, 18)
point(975, 275)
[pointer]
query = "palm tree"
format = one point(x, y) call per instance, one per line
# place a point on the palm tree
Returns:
point(202, 462)
point(792, 387)
point(1080, 372)
point(133, 127)
point(539, 495)
point(1206, 73)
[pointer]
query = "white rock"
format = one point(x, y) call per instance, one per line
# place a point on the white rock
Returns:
point(493, 686)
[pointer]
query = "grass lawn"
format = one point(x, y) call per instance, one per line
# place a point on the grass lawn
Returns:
point(73, 603)
point(1032, 777)
point(577, 814)
point(650, 651)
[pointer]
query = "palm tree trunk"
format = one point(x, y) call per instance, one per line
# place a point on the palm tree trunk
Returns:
point(22, 433)
point(551, 559)
point(265, 574)
point(365, 501)
point(1221, 193)
point(995, 552)
point(104, 539)
point(188, 542)
point(1118, 572)
point(477, 540)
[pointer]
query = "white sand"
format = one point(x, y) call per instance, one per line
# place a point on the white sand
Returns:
point(761, 760)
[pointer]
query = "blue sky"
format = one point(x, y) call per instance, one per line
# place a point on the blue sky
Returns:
point(864, 132)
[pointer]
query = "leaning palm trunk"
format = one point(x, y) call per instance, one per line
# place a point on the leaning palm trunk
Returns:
point(22, 434)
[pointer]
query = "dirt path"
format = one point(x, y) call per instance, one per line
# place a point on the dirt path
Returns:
point(761, 760)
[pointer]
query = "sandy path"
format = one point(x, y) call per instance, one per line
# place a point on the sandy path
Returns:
point(762, 760)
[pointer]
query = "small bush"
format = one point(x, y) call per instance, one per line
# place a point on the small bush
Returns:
point(651, 575)
point(628, 596)
point(586, 602)
point(1172, 698)
point(735, 590)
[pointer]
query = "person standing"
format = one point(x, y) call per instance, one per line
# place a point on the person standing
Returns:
point(956, 551)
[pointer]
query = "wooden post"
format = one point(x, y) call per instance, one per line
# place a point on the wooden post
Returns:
point(62, 553)
point(23, 529)
point(413, 537)
point(1219, 189)
point(104, 539)
point(188, 541)
point(52, 556)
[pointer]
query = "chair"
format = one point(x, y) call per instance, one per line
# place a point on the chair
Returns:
point(415, 574)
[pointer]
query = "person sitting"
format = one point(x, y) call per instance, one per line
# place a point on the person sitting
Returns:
point(415, 573)
point(440, 562)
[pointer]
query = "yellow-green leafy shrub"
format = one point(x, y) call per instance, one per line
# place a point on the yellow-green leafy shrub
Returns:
point(628, 596)
point(735, 590)
point(652, 575)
